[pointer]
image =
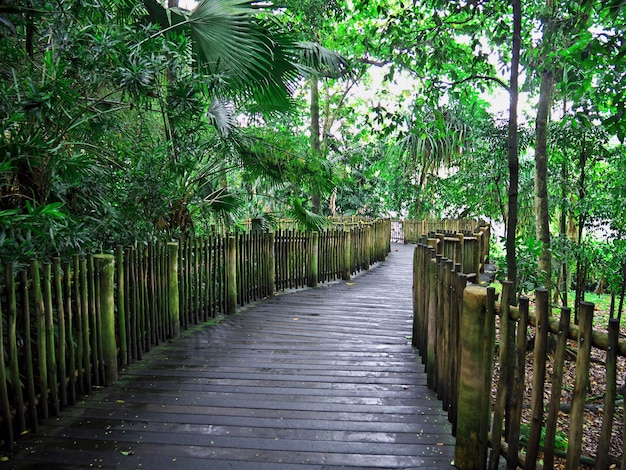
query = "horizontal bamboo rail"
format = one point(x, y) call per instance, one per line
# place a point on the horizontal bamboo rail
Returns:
point(70, 325)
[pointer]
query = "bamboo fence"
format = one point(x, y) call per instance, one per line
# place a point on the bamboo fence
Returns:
point(455, 331)
point(69, 325)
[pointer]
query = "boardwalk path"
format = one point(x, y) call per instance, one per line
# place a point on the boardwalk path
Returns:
point(321, 378)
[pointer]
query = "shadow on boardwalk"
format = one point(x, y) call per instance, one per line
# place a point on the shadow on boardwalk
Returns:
point(320, 378)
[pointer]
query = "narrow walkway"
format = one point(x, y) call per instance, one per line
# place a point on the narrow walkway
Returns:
point(321, 378)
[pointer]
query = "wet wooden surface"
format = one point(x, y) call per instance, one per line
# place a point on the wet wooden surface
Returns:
point(320, 378)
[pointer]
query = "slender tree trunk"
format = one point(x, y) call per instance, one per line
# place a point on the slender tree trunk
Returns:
point(542, 215)
point(513, 145)
point(315, 134)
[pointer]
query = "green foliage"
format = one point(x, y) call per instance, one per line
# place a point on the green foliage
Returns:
point(560, 438)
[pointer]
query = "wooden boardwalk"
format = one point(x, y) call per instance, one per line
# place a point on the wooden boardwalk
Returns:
point(320, 378)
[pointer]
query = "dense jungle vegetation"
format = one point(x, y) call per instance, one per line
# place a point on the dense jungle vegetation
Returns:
point(128, 121)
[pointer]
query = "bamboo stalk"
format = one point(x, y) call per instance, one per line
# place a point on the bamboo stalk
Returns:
point(518, 386)
point(609, 396)
point(539, 378)
point(105, 271)
point(581, 383)
point(173, 291)
point(92, 317)
point(14, 372)
point(507, 345)
point(28, 354)
point(79, 326)
point(41, 337)
point(71, 353)
point(85, 326)
point(471, 391)
point(121, 303)
point(557, 385)
point(62, 350)
point(4, 393)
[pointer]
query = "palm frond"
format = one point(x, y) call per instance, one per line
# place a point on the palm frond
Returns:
point(304, 217)
point(220, 115)
point(316, 59)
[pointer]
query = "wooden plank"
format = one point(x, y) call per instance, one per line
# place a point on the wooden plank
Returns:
point(324, 377)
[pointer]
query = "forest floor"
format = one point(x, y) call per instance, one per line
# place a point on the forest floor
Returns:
point(595, 397)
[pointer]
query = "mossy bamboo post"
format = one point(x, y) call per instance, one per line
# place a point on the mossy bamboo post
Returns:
point(173, 291)
point(16, 382)
point(609, 396)
point(539, 378)
point(28, 353)
point(347, 255)
point(121, 303)
point(471, 383)
point(51, 357)
point(231, 275)
point(431, 327)
point(4, 395)
point(580, 386)
point(488, 351)
point(557, 385)
point(517, 392)
point(79, 325)
point(313, 258)
point(507, 350)
point(105, 276)
point(270, 259)
point(71, 351)
point(62, 341)
point(41, 338)
point(92, 318)
point(86, 359)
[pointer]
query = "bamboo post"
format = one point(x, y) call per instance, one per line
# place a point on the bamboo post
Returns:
point(85, 327)
point(41, 337)
point(4, 395)
point(488, 351)
point(105, 271)
point(270, 258)
point(557, 385)
point(94, 325)
point(471, 391)
point(580, 386)
point(58, 292)
point(231, 276)
point(461, 284)
point(610, 395)
point(347, 255)
point(173, 291)
point(50, 343)
point(517, 392)
point(432, 321)
point(539, 377)
point(71, 351)
point(121, 303)
point(417, 292)
point(507, 345)
point(28, 353)
point(14, 373)
point(313, 258)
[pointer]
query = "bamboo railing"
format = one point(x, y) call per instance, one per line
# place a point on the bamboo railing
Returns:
point(69, 325)
point(456, 326)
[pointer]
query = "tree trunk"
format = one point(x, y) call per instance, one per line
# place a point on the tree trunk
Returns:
point(542, 216)
point(513, 145)
point(315, 135)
